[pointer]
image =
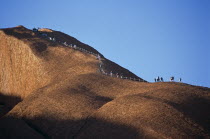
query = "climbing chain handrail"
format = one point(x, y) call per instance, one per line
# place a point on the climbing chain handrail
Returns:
point(98, 57)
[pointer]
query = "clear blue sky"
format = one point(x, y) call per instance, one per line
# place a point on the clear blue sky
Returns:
point(149, 37)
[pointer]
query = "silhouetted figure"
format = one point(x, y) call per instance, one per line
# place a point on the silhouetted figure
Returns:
point(155, 80)
point(158, 79)
point(35, 30)
point(172, 79)
point(180, 79)
point(161, 79)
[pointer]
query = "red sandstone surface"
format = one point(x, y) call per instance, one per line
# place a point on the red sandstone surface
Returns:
point(48, 90)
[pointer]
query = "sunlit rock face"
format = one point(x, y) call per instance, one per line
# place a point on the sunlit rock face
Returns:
point(51, 89)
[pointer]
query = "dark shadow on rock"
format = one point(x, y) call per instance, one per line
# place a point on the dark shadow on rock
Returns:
point(88, 92)
point(30, 37)
point(97, 128)
point(104, 99)
point(18, 32)
point(7, 103)
point(196, 108)
point(71, 40)
point(27, 36)
point(39, 127)
point(40, 47)
point(13, 128)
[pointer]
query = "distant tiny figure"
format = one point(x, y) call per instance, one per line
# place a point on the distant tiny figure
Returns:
point(65, 43)
point(102, 71)
point(35, 30)
point(158, 79)
point(172, 79)
point(180, 79)
point(111, 74)
point(161, 79)
point(98, 57)
point(75, 46)
point(155, 80)
point(117, 75)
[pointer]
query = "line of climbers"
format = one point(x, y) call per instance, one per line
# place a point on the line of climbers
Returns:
point(98, 57)
point(160, 79)
point(111, 74)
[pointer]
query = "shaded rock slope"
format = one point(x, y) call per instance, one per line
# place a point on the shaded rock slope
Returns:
point(48, 90)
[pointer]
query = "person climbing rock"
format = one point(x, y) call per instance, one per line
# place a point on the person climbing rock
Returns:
point(111, 74)
point(98, 57)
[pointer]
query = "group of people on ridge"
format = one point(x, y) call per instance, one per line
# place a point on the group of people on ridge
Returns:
point(160, 79)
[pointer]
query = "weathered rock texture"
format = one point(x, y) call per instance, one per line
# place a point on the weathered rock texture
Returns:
point(51, 91)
